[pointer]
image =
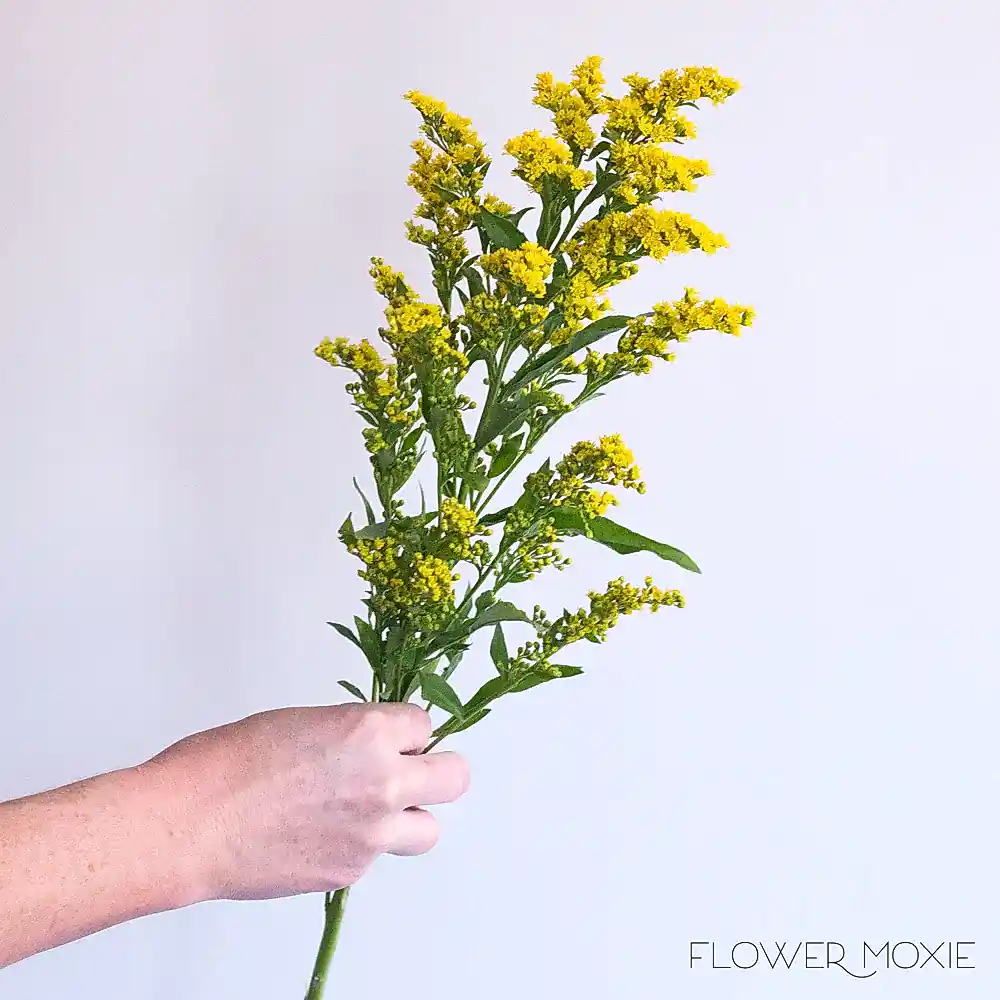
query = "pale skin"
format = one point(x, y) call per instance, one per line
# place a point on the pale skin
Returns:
point(285, 802)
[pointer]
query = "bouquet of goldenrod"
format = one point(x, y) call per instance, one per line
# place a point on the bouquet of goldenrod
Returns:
point(529, 314)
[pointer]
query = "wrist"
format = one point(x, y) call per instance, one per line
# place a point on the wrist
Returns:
point(173, 871)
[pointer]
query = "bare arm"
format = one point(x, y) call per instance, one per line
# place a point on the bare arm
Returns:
point(84, 857)
point(284, 802)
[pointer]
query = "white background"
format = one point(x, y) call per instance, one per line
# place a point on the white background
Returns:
point(189, 193)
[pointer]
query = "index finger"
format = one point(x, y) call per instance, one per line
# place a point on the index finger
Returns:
point(410, 725)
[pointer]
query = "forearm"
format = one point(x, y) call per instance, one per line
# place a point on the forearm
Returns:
point(84, 857)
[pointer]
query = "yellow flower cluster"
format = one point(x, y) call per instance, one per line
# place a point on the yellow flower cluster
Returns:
point(648, 110)
point(417, 331)
point(405, 587)
point(457, 519)
point(525, 268)
point(647, 170)
point(690, 84)
point(579, 300)
point(608, 463)
point(533, 546)
point(539, 156)
point(448, 175)
point(488, 319)
point(645, 231)
point(593, 623)
point(379, 393)
point(457, 526)
point(361, 358)
point(538, 552)
point(678, 320)
point(648, 337)
point(573, 104)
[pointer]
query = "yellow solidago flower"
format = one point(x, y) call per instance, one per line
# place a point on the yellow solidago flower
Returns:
point(649, 109)
point(539, 156)
point(645, 231)
point(389, 283)
point(361, 358)
point(457, 519)
point(526, 268)
point(449, 129)
point(610, 461)
point(405, 587)
point(417, 332)
point(695, 82)
point(493, 204)
point(489, 319)
point(573, 104)
point(580, 301)
point(678, 320)
point(647, 170)
point(648, 337)
point(593, 623)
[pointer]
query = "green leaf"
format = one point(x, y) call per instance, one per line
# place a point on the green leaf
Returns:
point(494, 688)
point(624, 541)
point(476, 286)
point(376, 530)
point(535, 678)
point(354, 689)
point(370, 643)
point(506, 457)
point(519, 215)
point(505, 418)
point(476, 479)
point(497, 517)
point(347, 634)
point(347, 529)
point(601, 147)
point(454, 659)
point(411, 439)
point(441, 694)
point(584, 338)
point(571, 520)
point(497, 687)
point(498, 649)
point(605, 184)
point(453, 726)
point(499, 231)
point(501, 611)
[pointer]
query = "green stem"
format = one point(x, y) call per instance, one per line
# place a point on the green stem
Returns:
point(334, 907)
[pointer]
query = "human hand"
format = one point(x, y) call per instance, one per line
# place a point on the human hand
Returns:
point(301, 800)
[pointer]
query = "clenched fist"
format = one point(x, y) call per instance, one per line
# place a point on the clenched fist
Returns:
point(305, 799)
point(284, 802)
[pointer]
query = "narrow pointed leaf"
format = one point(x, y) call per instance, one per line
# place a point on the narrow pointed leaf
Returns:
point(584, 338)
point(497, 517)
point(501, 611)
point(624, 541)
point(499, 231)
point(453, 725)
point(354, 689)
point(441, 694)
point(369, 513)
point(347, 634)
point(534, 679)
point(506, 456)
point(498, 649)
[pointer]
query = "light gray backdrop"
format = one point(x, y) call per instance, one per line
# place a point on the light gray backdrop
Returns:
point(189, 192)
